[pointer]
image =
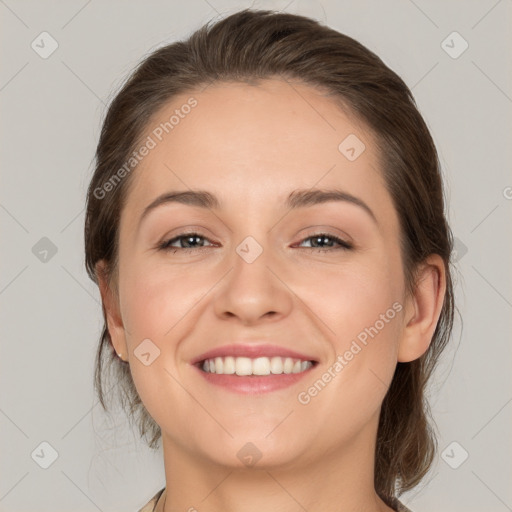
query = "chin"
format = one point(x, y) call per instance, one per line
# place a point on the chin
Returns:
point(255, 452)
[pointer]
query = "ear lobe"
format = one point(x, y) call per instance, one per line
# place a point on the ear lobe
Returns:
point(423, 309)
point(111, 309)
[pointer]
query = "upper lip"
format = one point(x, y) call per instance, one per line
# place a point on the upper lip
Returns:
point(253, 351)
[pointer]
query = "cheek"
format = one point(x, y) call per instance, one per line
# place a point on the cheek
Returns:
point(156, 305)
point(351, 385)
point(361, 314)
point(355, 300)
point(155, 298)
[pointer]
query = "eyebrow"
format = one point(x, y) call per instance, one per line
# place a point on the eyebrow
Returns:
point(301, 198)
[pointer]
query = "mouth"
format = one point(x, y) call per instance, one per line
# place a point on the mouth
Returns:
point(258, 366)
point(253, 369)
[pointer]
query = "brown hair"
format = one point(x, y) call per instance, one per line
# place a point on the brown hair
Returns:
point(251, 45)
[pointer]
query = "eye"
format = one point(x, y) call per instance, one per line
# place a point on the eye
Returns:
point(318, 239)
point(192, 241)
point(189, 239)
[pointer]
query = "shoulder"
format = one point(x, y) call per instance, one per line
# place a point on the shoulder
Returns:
point(150, 505)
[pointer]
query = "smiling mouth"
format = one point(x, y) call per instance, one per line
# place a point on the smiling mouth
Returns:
point(258, 366)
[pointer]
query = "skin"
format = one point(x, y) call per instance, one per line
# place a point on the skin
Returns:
point(251, 145)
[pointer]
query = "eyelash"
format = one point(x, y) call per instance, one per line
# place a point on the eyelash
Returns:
point(165, 245)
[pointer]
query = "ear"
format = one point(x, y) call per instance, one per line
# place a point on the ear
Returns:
point(111, 311)
point(423, 309)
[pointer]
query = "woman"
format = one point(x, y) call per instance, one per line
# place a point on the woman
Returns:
point(266, 226)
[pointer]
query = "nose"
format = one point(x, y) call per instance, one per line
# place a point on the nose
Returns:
point(254, 291)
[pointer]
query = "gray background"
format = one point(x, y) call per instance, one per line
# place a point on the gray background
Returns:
point(50, 312)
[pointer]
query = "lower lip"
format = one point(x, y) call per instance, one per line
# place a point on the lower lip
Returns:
point(254, 384)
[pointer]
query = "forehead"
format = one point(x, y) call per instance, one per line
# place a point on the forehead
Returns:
point(252, 144)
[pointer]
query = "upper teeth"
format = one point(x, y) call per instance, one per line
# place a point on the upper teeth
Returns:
point(258, 366)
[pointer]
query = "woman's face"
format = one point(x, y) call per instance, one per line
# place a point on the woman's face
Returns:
point(258, 278)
